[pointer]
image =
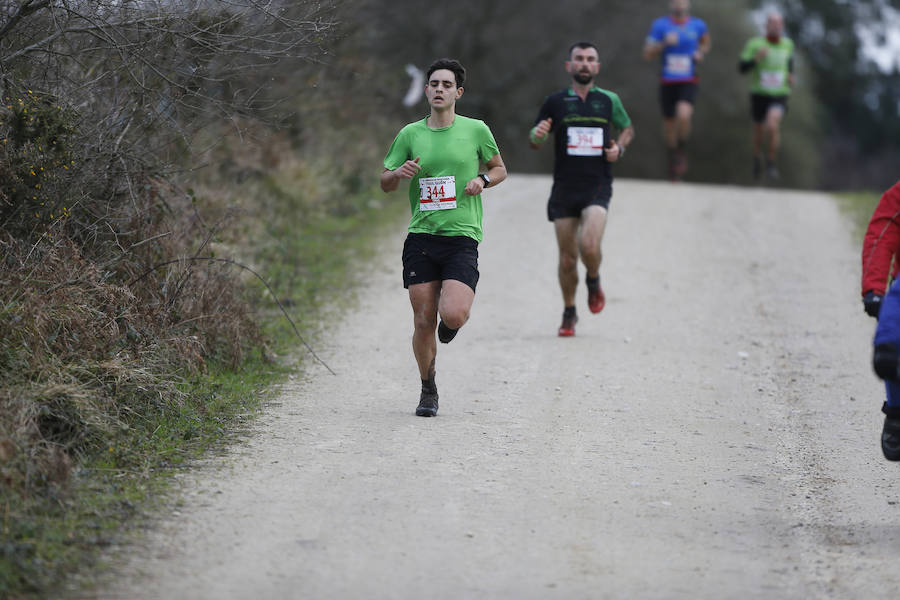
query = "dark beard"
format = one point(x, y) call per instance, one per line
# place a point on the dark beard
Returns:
point(582, 78)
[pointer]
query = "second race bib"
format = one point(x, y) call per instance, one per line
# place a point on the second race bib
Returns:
point(585, 141)
point(771, 80)
point(437, 193)
point(678, 64)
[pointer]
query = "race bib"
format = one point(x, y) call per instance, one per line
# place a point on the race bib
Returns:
point(437, 193)
point(585, 141)
point(771, 80)
point(678, 64)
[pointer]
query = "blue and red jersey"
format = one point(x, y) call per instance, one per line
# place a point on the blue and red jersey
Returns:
point(678, 64)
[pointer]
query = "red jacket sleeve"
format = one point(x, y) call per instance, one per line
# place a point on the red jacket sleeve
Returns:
point(882, 243)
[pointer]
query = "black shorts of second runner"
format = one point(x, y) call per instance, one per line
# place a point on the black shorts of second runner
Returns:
point(761, 103)
point(670, 94)
point(428, 257)
point(567, 201)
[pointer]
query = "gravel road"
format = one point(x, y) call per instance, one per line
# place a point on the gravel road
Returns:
point(714, 433)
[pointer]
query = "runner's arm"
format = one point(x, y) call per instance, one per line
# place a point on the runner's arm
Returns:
point(655, 41)
point(496, 172)
point(652, 49)
point(538, 134)
point(748, 58)
point(881, 243)
point(625, 137)
point(617, 150)
point(390, 179)
point(705, 44)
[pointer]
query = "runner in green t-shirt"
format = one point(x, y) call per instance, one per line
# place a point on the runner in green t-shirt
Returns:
point(770, 62)
point(441, 155)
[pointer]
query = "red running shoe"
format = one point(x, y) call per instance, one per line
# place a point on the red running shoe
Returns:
point(596, 299)
point(567, 329)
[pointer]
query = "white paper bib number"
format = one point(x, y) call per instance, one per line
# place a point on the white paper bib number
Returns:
point(437, 193)
point(678, 64)
point(585, 141)
point(771, 80)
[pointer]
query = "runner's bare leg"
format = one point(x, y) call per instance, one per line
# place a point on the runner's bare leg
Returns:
point(455, 303)
point(773, 127)
point(684, 112)
point(757, 139)
point(424, 300)
point(567, 240)
point(593, 224)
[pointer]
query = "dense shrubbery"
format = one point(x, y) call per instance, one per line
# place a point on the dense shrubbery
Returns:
point(99, 345)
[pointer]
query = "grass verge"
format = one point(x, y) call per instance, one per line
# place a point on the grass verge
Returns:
point(858, 206)
point(312, 259)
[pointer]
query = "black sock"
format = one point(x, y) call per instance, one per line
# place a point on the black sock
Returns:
point(428, 385)
point(569, 312)
point(592, 282)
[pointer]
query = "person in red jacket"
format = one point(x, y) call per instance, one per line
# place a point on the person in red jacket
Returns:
point(880, 261)
point(880, 247)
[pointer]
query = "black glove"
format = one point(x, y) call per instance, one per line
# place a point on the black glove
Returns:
point(872, 303)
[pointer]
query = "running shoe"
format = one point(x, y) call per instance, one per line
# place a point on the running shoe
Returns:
point(772, 172)
point(681, 163)
point(567, 329)
point(428, 404)
point(890, 435)
point(596, 297)
point(672, 163)
point(445, 334)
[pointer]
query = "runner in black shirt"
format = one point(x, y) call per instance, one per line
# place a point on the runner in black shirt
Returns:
point(582, 118)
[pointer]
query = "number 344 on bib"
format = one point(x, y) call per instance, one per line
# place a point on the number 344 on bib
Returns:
point(437, 193)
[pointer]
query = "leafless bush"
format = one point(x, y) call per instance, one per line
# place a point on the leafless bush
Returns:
point(101, 104)
point(133, 81)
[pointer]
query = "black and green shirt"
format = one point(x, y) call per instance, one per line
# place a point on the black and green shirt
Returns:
point(582, 129)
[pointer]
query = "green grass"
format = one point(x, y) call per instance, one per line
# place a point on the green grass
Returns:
point(45, 539)
point(858, 206)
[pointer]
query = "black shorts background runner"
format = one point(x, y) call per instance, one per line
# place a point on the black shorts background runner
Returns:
point(760, 104)
point(673, 93)
point(569, 200)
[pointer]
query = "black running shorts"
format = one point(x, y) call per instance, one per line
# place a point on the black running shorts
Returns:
point(428, 257)
point(672, 93)
point(761, 103)
point(569, 200)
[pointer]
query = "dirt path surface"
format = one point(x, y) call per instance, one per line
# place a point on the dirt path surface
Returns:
point(713, 433)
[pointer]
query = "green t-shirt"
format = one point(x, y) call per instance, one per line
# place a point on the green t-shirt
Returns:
point(456, 151)
point(769, 76)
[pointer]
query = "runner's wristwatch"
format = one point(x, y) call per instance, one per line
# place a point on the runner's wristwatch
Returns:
point(485, 179)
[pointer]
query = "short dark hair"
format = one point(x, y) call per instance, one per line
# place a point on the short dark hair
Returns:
point(581, 46)
point(451, 65)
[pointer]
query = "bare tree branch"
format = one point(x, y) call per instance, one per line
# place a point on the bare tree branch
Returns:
point(28, 7)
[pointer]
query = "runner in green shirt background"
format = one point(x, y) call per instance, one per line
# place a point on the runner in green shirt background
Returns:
point(441, 156)
point(770, 62)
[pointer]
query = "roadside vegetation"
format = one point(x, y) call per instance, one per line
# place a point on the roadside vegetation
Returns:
point(134, 212)
point(859, 207)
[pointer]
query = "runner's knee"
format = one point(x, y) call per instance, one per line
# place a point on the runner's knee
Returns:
point(568, 261)
point(424, 321)
point(455, 318)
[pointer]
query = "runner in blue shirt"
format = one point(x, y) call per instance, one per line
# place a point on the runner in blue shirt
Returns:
point(680, 41)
